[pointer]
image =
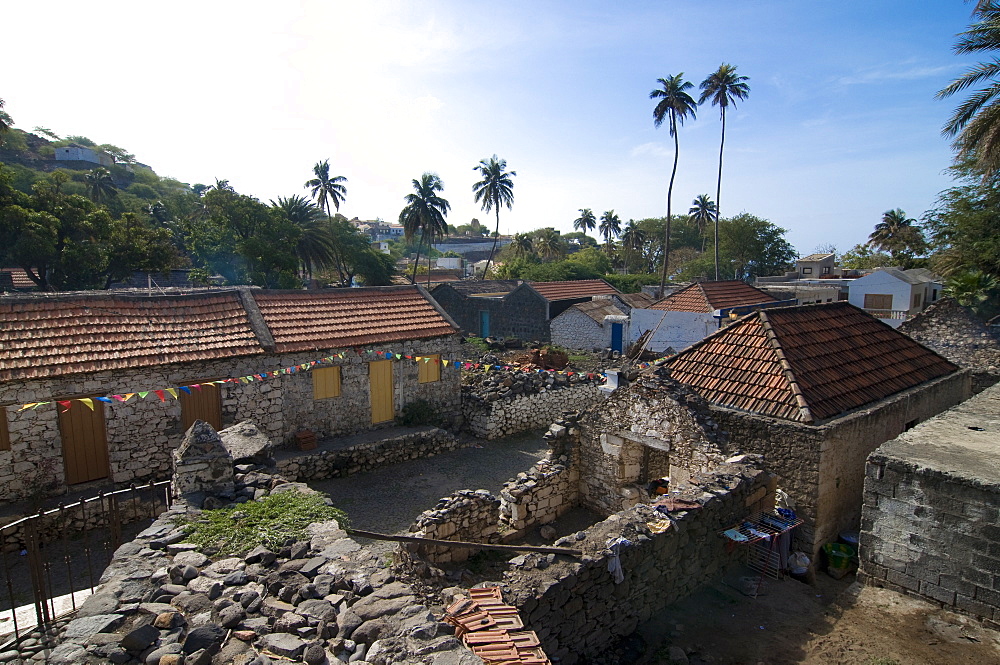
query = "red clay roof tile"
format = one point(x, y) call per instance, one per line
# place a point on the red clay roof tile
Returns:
point(710, 296)
point(580, 288)
point(836, 358)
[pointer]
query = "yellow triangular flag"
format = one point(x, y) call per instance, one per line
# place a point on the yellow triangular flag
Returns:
point(89, 403)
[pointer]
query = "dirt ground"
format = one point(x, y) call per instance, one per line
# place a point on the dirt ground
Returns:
point(832, 621)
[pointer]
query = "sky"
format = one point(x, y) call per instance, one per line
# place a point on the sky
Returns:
point(841, 123)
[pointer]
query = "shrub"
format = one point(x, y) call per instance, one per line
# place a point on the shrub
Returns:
point(419, 412)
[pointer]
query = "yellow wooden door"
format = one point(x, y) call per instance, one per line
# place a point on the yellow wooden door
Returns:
point(84, 442)
point(204, 404)
point(380, 380)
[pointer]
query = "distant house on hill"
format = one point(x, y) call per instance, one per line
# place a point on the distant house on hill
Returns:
point(113, 380)
point(814, 389)
point(689, 314)
point(894, 295)
point(79, 153)
point(511, 308)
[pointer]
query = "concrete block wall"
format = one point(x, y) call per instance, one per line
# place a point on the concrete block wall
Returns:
point(932, 534)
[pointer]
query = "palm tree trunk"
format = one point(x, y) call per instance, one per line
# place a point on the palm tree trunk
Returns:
point(670, 193)
point(718, 193)
point(416, 262)
point(496, 239)
point(430, 246)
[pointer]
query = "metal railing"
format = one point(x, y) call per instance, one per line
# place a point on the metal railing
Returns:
point(899, 314)
point(61, 553)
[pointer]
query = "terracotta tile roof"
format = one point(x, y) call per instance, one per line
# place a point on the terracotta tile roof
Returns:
point(493, 630)
point(53, 336)
point(639, 300)
point(807, 363)
point(340, 318)
point(597, 309)
point(473, 286)
point(710, 296)
point(581, 288)
point(20, 278)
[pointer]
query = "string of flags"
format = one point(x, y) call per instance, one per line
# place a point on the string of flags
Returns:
point(175, 392)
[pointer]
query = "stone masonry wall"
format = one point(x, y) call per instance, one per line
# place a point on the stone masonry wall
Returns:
point(503, 417)
point(575, 330)
point(469, 515)
point(575, 606)
point(142, 433)
point(539, 496)
point(366, 456)
point(932, 534)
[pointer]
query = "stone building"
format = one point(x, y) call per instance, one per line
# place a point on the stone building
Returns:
point(958, 335)
point(511, 308)
point(112, 381)
point(586, 325)
point(815, 389)
point(929, 524)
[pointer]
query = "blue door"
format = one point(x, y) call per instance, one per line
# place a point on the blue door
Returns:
point(616, 337)
point(484, 323)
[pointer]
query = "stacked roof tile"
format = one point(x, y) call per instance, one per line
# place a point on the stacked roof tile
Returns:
point(581, 288)
point(47, 336)
point(709, 296)
point(338, 318)
point(493, 629)
point(807, 363)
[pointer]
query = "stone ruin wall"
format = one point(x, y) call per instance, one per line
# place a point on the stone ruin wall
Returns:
point(367, 456)
point(932, 534)
point(491, 416)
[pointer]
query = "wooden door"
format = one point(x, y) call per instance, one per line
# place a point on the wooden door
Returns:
point(380, 380)
point(84, 442)
point(204, 404)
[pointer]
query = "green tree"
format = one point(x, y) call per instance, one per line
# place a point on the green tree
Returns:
point(329, 191)
point(120, 155)
point(964, 226)
point(521, 246)
point(750, 247)
point(899, 236)
point(578, 239)
point(863, 257)
point(101, 186)
point(494, 190)
point(548, 245)
point(633, 242)
point(315, 246)
point(6, 122)
point(975, 124)
point(586, 222)
point(610, 227)
point(723, 86)
point(675, 106)
point(974, 289)
point(45, 131)
point(703, 212)
point(424, 215)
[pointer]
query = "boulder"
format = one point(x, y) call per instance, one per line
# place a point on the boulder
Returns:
point(246, 443)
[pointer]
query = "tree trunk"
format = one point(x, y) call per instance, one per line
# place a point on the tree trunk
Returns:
point(416, 261)
point(496, 239)
point(718, 192)
point(670, 193)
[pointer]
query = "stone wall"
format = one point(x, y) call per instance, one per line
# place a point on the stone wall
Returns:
point(575, 606)
point(537, 497)
point(494, 415)
point(468, 515)
point(958, 335)
point(575, 330)
point(142, 433)
point(338, 461)
point(822, 467)
point(522, 313)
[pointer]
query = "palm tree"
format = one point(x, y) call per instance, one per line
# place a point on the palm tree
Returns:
point(976, 122)
point(897, 235)
point(494, 190)
point(314, 248)
point(586, 222)
point(521, 246)
point(547, 244)
point(972, 289)
point(101, 186)
point(675, 106)
point(424, 214)
point(633, 240)
point(703, 211)
point(723, 87)
point(329, 190)
point(611, 225)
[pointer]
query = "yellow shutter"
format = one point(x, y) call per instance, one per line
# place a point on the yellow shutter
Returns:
point(326, 382)
point(430, 370)
point(380, 380)
point(84, 442)
point(204, 404)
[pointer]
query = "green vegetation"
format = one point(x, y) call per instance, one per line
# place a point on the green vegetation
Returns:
point(494, 190)
point(419, 412)
point(270, 522)
point(424, 215)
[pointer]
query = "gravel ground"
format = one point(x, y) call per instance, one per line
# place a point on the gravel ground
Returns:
point(390, 499)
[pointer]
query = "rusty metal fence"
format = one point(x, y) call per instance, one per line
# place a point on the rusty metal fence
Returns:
point(60, 554)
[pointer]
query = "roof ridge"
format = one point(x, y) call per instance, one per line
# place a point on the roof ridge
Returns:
point(786, 367)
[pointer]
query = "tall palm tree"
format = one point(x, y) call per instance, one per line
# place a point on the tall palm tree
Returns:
point(547, 244)
point(314, 248)
point(100, 185)
point(494, 190)
point(675, 106)
point(586, 222)
point(329, 190)
point(723, 87)
point(424, 214)
point(703, 212)
point(898, 235)
point(976, 122)
point(611, 226)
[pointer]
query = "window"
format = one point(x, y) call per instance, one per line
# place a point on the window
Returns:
point(918, 299)
point(4, 432)
point(807, 271)
point(826, 270)
point(430, 370)
point(878, 301)
point(934, 297)
point(326, 382)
